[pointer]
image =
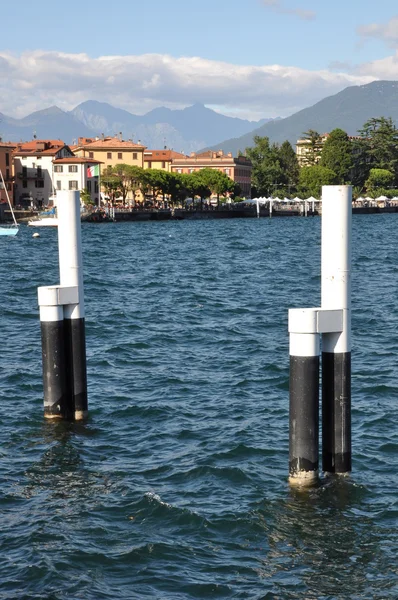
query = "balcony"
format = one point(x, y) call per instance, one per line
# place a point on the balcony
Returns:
point(31, 174)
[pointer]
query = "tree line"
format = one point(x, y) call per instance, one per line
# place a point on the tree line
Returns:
point(122, 180)
point(368, 161)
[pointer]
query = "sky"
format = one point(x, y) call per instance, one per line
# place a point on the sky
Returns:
point(246, 58)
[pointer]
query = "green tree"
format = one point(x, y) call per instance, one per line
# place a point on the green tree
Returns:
point(85, 197)
point(173, 186)
point(290, 166)
point(313, 147)
point(313, 178)
point(137, 180)
point(267, 172)
point(337, 155)
point(361, 162)
point(217, 182)
point(196, 185)
point(123, 173)
point(110, 182)
point(157, 181)
point(380, 137)
point(378, 180)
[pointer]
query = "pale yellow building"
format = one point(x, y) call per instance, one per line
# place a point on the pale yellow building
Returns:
point(110, 151)
point(160, 159)
point(303, 148)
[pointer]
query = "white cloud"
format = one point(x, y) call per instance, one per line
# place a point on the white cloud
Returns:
point(385, 68)
point(38, 79)
point(384, 31)
point(278, 6)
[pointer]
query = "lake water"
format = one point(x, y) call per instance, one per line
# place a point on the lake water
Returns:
point(176, 488)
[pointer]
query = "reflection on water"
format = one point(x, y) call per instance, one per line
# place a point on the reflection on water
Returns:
point(323, 541)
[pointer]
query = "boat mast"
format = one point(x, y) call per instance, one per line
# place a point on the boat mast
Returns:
point(8, 198)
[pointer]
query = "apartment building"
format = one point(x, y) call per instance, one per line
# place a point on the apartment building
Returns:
point(239, 168)
point(76, 173)
point(6, 167)
point(161, 159)
point(110, 151)
point(33, 168)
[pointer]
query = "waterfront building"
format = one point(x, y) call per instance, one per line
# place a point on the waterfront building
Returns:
point(77, 173)
point(33, 168)
point(161, 159)
point(239, 168)
point(6, 166)
point(304, 149)
point(110, 151)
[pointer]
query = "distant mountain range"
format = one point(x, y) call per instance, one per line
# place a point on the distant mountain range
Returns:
point(198, 127)
point(348, 109)
point(183, 130)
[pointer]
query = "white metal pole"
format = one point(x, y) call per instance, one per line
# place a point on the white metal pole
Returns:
point(71, 275)
point(336, 347)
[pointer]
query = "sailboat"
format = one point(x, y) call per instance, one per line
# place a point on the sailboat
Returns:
point(14, 227)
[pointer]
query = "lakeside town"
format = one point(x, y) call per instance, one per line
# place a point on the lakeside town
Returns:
point(113, 173)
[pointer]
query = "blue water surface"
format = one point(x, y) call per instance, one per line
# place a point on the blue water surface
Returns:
point(176, 487)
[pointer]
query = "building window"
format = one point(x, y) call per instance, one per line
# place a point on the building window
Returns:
point(9, 187)
point(58, 168)
point(89, 186)
point(227, 171)
point(192, 170)
point(179, 170)
point(73, 185)
point(24, 171)
point(7, 159)
point(120, 155)
point(163, 165)
point(72, 168)
point(39, 183)
point(24, 183)
point(58, 185)
point(134, 155)
point(109, 155)
point(7, 173)
point(147, 165)
point(91, 154)
point(38, 157)
point(95, 187)
point(39, 173)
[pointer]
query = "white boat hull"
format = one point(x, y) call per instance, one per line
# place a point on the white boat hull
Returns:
point(48, 222)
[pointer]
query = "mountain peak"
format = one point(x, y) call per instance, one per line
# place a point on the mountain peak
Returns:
point(50, 111)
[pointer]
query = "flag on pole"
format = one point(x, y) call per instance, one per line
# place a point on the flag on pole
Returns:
point(93, 171)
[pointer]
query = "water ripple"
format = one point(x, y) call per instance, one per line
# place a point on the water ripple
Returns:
point(176, 486)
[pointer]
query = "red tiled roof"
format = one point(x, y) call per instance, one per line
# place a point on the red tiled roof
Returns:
point(156, 155)
point(42, 147)
point(71, 160)
point(110, 143)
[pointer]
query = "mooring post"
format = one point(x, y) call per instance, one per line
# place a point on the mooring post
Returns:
point(71, 275)
point(53, 359)
point(62, 321)
point(332, 321)
point(336, 347)
point(304, 349)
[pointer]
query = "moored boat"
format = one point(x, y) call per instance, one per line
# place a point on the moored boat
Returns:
point(12, 228)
